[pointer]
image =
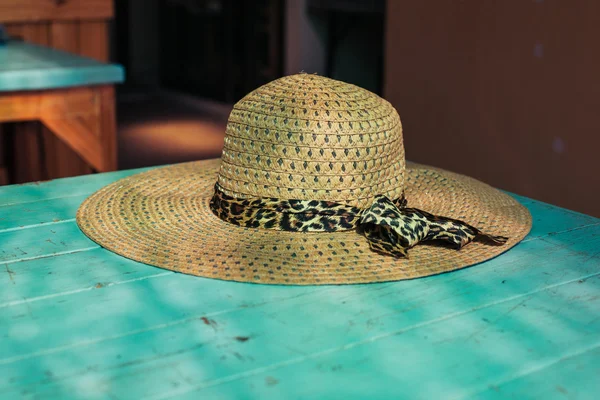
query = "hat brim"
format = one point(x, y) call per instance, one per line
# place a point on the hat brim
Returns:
point(162, 218)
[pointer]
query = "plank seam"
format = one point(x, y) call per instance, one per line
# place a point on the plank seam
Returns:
point(285, 363)
point(527, 371)
point(16, 302)
point(85, 289)
point(84, 343)
point(526, 240)
point(49, 223)
point(58, 253)
point(551, 234)
point(47, 198)
point(256, 371)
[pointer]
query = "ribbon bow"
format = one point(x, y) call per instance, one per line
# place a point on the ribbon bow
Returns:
point(393, 230)
point(389, 226)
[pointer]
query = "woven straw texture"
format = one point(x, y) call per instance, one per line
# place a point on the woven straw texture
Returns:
point(308, 137)
point(299, 137)
point(162, 218)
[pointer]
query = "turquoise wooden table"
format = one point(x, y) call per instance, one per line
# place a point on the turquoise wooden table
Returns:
point(77, 321)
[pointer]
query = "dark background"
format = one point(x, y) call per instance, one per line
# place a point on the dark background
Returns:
point(505, 91)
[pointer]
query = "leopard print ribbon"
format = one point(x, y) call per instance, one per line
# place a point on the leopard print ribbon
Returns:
point(389, 226)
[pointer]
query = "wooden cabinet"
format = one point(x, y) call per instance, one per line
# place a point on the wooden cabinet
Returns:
point(30, 152)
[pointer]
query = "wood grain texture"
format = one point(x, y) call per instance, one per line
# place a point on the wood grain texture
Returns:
point(524, 324)
point(78, 138)
point(88, 38)
point(59, 188)
point(19, 106)
point(107, 128)
point(82, 118)
point(28, 146)
point(28, 154)
point(4, 180)
point(51, 10)
point(75, 26)
point(65, 36)
point(94, 40)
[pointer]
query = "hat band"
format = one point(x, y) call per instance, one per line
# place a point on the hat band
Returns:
point(389, 226)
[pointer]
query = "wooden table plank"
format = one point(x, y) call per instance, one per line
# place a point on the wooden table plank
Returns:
point(565, 377)
point(58, 210)
point(34, 219)
point(87, 184)
point(161, 307)
point(18, 216)
point(53, 277)
point(426, 346)
point(42, 241)
point(551, 219)
point(33, 275)
point(458, 358)
point(59, 188)
point(479, 332)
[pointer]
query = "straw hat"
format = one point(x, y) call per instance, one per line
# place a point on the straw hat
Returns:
point(312, 188)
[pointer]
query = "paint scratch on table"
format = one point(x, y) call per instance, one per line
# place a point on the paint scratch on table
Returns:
point(10, 274)
point(210, 322)
point(271, 381)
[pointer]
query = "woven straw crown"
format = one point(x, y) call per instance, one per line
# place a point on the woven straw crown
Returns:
point(309, 137)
